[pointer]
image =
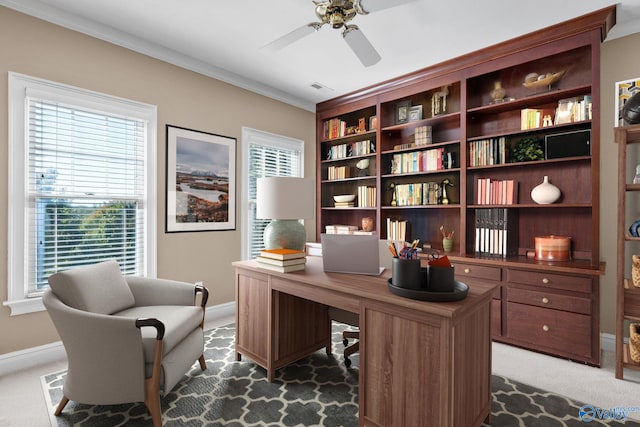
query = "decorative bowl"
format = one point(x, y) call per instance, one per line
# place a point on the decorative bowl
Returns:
point(544, 80)
point(344, 198)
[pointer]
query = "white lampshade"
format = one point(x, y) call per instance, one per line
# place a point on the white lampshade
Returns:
point(280, 197)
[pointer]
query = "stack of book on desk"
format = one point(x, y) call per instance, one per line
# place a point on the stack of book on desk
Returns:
point(282, 260)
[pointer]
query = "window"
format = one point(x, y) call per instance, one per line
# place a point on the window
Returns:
point(266, 154)
point(81, 185)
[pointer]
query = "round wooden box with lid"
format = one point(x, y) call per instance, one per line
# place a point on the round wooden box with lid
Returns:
point(553, 248)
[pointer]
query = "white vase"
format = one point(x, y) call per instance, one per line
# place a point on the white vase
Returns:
point(545, 193)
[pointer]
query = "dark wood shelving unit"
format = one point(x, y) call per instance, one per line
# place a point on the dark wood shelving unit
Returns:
point(569, 325)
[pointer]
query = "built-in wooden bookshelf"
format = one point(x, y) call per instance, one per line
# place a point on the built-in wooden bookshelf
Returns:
point(471, 137)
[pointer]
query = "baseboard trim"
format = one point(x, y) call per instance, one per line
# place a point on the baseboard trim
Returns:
point(48, 353)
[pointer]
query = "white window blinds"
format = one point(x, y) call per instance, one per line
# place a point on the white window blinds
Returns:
point(86, 189)
point(268, 158)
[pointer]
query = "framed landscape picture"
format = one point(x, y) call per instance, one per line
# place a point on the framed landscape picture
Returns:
point(201, 175)
point(624, 90)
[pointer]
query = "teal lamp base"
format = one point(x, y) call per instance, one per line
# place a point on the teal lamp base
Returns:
point(285, 233)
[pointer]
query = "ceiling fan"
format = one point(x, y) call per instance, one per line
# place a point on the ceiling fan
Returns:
point(338, 14)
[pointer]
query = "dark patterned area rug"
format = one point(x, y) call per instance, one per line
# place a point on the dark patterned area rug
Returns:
point(315, 391)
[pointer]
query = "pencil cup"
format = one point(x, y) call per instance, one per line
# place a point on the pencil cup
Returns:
point(440, 279)
point(407, 273)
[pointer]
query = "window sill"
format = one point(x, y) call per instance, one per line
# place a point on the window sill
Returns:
point(25, 306)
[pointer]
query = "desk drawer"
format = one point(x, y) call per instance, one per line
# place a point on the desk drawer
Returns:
point(476, 271)
point(549, 300)
point(549, 330)
point(553, 280)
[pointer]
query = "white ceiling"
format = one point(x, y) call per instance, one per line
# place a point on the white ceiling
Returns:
point(223, 39)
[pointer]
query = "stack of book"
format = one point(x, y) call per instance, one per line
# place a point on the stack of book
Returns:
point(282, 260)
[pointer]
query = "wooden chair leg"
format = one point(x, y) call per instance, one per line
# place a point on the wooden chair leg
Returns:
point(203, 362)
point(152, 387)
point(61, 406)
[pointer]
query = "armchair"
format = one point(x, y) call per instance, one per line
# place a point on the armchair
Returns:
point(127, 339)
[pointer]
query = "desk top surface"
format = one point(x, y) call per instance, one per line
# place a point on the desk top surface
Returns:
point(371, 287)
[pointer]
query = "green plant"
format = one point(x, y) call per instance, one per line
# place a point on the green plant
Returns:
point(527, 149)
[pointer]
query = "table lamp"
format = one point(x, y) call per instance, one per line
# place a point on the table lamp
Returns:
point(284, 200)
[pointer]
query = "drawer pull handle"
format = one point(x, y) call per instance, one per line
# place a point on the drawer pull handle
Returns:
point(545, 280)
point(545, 328)
point(545, 300)
point(467, 270)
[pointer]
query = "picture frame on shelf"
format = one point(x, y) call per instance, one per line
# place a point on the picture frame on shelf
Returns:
point(200, 181)
point(415, 113)
point(402, 112)
point(625, 89)
point(373, 122)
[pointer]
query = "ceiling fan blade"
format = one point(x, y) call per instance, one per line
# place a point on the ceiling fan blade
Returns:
point(376, 5)
point(361, 46)
point(291, 37)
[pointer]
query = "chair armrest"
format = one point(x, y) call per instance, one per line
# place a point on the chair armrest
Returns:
point(205, 295)
point(155, 323)
point(147, 291)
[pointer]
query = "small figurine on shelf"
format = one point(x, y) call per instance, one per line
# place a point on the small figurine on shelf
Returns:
point(392, 186)
point(444, 199)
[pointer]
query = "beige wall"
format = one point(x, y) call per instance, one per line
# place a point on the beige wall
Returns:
point(40, 49)
point(619, 62)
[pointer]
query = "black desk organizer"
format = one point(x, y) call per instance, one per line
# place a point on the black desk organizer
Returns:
point(432, 283)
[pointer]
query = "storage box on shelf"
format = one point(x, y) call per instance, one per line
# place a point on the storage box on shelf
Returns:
point(481, 130)
point(628, 295)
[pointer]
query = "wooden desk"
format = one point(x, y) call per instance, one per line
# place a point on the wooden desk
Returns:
point(421, 363)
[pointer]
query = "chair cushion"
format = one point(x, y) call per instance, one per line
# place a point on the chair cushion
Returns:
point(98, 288)
point(179, 321)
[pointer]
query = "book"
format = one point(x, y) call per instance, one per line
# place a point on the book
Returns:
point(282, 268)
point(282, 254)
point(282, 263)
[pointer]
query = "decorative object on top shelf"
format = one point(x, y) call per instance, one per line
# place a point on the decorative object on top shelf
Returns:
point(402, 112)
point(439, 101)
point(545, 193)
point(444, 200)
point(363, 167)
point(274, 201)
point(527, 149)
point(625, 90)
point(498, 93)
point(537, 81)
point(373, 122)
point(415, 113)
point(631, 110)
point(635, 270)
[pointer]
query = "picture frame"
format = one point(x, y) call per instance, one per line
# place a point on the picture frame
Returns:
point(402, 112)
point(624, 90)
point(415, 113)
point(373, 122)
point(200, 181)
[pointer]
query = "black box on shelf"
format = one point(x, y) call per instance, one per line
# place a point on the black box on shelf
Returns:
point(568, 144)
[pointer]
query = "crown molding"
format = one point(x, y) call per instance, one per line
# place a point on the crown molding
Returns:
point(109, 34)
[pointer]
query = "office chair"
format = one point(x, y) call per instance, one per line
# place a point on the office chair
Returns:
point(351, 319)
